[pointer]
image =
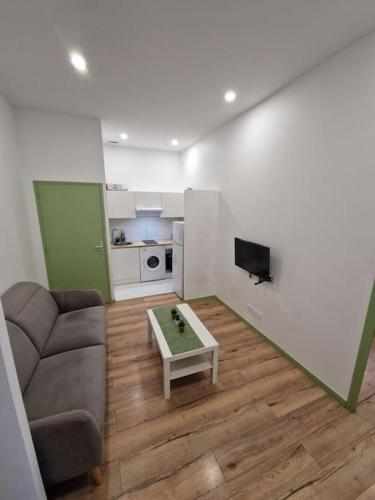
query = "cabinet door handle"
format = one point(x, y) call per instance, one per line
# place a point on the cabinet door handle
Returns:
point(100, 247)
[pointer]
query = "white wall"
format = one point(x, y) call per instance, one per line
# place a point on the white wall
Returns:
point(143, 169)
point(19, 472)
point(59, 147)
point(15, 262)
point(200, 243)
point(297, 173)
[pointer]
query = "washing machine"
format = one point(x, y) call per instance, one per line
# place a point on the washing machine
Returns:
point(153, 263)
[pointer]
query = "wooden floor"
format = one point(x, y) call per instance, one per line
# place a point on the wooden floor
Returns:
point(264, 432)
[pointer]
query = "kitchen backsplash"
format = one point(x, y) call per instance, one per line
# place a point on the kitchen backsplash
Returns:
point(144, 228)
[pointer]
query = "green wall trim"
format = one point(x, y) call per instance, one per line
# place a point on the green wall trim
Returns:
point(313, 377)
point(363, 353)
point(105, 243)
point(206, 297)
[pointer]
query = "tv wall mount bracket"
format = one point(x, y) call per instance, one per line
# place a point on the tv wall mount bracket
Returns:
point(263, 279)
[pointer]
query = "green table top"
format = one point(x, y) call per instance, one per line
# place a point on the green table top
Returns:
point(177, 342)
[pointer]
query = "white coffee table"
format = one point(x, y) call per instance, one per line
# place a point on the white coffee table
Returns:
point(185, 363)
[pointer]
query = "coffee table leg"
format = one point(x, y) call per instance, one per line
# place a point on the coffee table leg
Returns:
point(167, 381)
point(215, 363)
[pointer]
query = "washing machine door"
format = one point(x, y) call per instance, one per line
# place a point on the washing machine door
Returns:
point(152, 264)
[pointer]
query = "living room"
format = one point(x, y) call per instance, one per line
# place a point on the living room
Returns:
point(259, 120)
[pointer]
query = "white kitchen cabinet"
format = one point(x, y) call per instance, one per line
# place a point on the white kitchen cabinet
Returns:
point(147, 200)
point(121, 204)
point(173, 204)
point(125, 266)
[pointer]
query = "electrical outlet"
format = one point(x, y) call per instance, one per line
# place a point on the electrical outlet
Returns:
point(254, 311)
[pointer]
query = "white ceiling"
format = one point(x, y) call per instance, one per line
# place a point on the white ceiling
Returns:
point(158, 68)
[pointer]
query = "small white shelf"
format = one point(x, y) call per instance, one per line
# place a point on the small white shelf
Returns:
point(187, 366)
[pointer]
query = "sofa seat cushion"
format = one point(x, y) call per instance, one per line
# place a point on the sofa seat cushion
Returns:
point(75, 329)
point(73, 380)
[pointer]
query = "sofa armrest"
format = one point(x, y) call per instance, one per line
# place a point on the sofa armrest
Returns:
point(67, 444)
point(71, 300)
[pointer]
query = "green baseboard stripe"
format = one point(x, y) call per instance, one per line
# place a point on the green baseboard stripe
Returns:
point(363, 353)
point(205, 297)
point(313, 377)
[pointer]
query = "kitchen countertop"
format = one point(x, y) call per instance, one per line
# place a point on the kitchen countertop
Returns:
point(136, 244)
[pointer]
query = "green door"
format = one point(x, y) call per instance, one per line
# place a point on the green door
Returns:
point(71, 218)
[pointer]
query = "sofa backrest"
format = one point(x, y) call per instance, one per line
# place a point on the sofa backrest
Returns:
point(26, 357)
point(33, 309)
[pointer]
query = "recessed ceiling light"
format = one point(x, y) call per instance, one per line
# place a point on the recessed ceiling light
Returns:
point(230, 96)
point(78, 61)
point(175, 142)
point(123, 136)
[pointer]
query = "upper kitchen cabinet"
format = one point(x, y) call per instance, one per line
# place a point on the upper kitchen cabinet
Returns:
point(173, 204)
point(147, 200)
point(121, 204)
point(126, 204)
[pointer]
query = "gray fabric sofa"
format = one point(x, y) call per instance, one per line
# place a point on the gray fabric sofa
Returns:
point(59, 345)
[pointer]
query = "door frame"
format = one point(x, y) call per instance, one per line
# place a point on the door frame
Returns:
point(99, 185)
point(363, 354)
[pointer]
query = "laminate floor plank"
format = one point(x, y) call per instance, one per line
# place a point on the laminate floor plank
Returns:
point(243, 453)
point(192, 481)
point(337, 439)
point(182, 421)
point(159, 461)
point(271, 479)
point(350, 476)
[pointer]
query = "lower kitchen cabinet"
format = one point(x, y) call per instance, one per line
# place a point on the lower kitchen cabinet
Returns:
point(125, 266)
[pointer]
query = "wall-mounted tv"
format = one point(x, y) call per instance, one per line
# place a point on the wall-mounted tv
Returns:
point(254, 258)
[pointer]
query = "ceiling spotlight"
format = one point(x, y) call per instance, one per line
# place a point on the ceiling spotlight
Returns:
point(79, 62)
point(175, 142)
point(230, 96)
point(123, 136)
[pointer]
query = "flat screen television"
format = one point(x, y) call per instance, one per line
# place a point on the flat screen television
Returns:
point(254, 258)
